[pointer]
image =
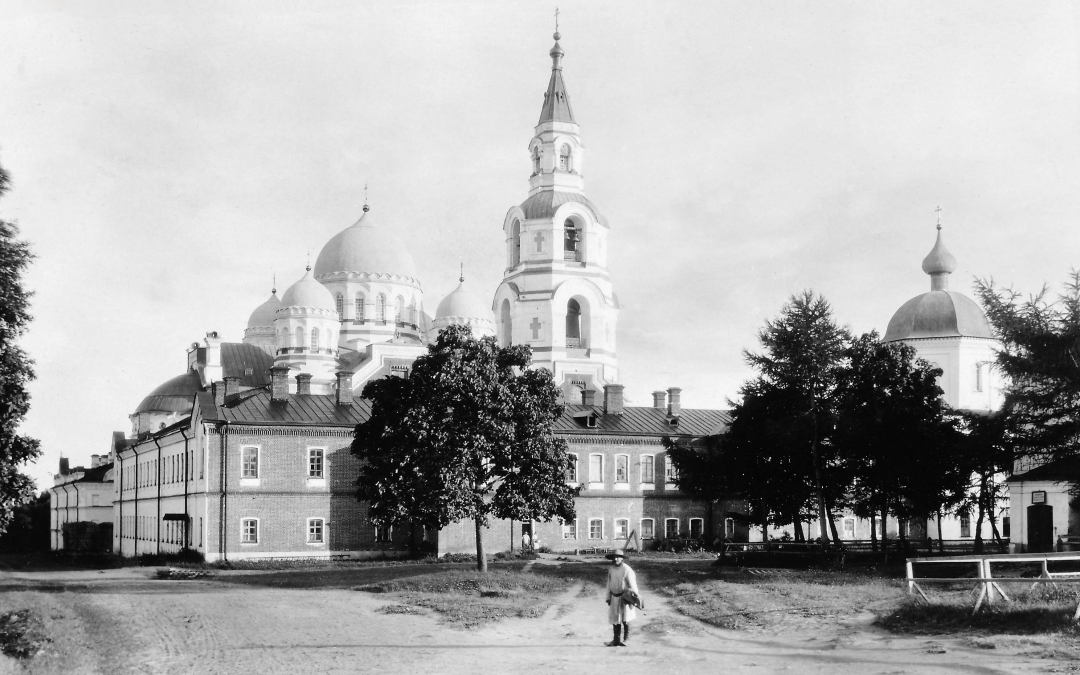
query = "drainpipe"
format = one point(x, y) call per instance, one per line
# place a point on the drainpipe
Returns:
point(223, 432)
point(186, 528)
point(157, 479)
point(120, 499)
point(135, 548)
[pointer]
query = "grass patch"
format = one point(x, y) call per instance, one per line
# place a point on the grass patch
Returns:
point(21, 634)
point(468, 598)
point(1045, 609)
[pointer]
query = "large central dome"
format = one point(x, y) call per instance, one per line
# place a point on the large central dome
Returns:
point(364, 248)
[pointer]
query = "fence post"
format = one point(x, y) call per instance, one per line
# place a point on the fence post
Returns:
point(990, 593)
point(910, 578)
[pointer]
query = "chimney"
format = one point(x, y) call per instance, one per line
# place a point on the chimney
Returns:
point(64, 466)
point(232, 387)
point(674, 406)
point(279, 387)
point(219, 392)
point(213, 370)
point(588, 397)
point(344, 387)
point(659, 399)
point(613, 402)
point(96, 461)
point(303, 383)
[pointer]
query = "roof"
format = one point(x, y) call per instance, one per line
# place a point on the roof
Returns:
point(545, 203)
point(248, 362)
point(173, 395)
point(308, 293)
point(365, 248)
point(938, 314)
point(1061, 470)
point(462, 303)
point(644, 421)
point(265, 314)
point(939, 260)
point(556, 106)
point(321, 410)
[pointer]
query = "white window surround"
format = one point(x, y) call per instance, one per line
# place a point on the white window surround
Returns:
point(647, 533)
point(321, 541)
point(647, 466)
point(575, 463)
point(668, 530)
point(315, 481)
point(569, 530)
point(622, 465)
point(701, 526)
point(622, 528)
point(593, 521)
point(244, 541)
point(596, 478)
point(246, 477)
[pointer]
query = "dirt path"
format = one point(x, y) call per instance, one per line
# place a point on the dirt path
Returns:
point(124, 622)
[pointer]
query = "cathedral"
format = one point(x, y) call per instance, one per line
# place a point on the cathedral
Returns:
point(246, 453)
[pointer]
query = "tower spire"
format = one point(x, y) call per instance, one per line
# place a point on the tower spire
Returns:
point(556, 103)
point(939, 263)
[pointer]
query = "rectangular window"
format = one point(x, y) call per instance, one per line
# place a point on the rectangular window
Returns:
point(697, 528)
point(94, 499)
point(729, 528)
point(622, 528)
point(250, 463)
point(648, 469)
point(249, 532)
point(315, 530)
point(315, 463)
point(571, 468)
point(965, 526)
point(384, 533)
point(622, 468)
point(849, 528)
point(596, 528)
point(978, 377)
point(200, 532)
point(671, 528)
point(647, 528)
point(671, 474)
point(569, 530)
point(596, 468)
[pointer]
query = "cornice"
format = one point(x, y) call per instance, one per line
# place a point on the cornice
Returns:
point(330, 277)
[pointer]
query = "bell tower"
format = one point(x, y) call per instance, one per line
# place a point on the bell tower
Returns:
point(556, 294)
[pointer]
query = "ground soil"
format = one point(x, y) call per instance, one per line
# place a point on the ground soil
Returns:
point(126, 621)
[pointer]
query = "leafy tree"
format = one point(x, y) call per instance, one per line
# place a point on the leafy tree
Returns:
point(895, 434)
point(467, 435)
point(802, 353)
point(1040, 357)
point(28, 530)
point(988, 457)
point(15, 370)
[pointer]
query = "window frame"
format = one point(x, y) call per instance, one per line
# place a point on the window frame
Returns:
point(569, 529)
point(667, 532)
point(593, 479)
point(965, 525)
point(625, 458)
point(701, 534)
point(625, 529)
point(671, 473)
point(320, 523)
point(575, 467)
point(647, 482)
point(322, 464)
point(246, 477)
point(601, 522)
point(652, 528)
point(358, 307)
point(244, 540)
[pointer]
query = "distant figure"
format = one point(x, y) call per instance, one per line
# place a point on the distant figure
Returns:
point(526, 542)
point(622, 596)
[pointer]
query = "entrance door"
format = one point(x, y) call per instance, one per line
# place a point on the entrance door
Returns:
point(1040, 522)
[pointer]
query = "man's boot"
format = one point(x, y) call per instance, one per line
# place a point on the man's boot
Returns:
point(616, 634)
point(625, 633)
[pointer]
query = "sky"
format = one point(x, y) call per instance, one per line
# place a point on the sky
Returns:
point(168, 159)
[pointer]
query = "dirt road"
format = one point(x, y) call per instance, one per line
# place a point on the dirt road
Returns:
point(122, 621)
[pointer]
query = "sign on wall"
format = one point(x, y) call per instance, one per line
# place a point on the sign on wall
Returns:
point(1038, 497)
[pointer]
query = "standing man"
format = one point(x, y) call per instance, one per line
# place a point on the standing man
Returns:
point(621, 581)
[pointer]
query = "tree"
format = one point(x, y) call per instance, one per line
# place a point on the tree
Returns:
point(16, 370)
point(803, 349)
point(1040, 357)
point(895, 434)
point(467, 435)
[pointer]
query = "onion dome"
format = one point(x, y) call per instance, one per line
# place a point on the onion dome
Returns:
point(265, 313)
point(364, 248)
point(174, 396)
point(308, 293)
point(464, 308)
point(941, 312)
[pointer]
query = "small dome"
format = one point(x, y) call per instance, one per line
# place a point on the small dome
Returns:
point(939, 260)
point(308, 293)
point(265, 313)
point(938, 314)
point(174, 396)
point(463, 304)
point(365, 248)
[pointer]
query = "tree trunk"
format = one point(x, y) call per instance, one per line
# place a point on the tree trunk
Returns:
point(822, 513)
point(412, 539)
point(764, 523)
point(940, 536)
point(832, 526)
point(798, 529)
point(981, 501)
point(885, 529)
point(481, 559)
point(873, 532)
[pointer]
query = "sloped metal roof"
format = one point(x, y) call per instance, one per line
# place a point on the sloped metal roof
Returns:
point(644, 421)
point(309, 409)
point(543, 204)
point(248, 362)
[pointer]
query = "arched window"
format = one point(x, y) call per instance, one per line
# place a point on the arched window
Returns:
point(399, 307)
point(564, 158)
point(359, 306)
point(299, 337)
point(516, 253)
point(573, 323)
point(380, 308)
point(339, 303)
point(506, 325)
point(314, 339)
point(412, 313)
point(571, 239)
point(536, 159)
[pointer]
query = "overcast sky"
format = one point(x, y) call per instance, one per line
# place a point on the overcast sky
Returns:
point(168, 158)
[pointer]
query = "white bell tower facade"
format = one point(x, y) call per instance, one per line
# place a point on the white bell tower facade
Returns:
point(556, 295)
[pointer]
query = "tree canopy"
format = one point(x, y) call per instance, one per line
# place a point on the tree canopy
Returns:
point(468, 435)
point(16, 370)
point(1040, 356)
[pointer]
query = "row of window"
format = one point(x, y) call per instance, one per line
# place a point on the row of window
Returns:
point(646, 469)
point(147, 528)
point(173, 470)
point(315, 465)
point(249, 531)
point(646, 528)
point(359, 310)
point(566, 162)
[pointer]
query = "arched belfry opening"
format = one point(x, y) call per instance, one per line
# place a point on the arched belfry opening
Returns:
point(507, 329)
point(573, 324)
point(515, 254)
point(572, 247)
point(536, 159)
